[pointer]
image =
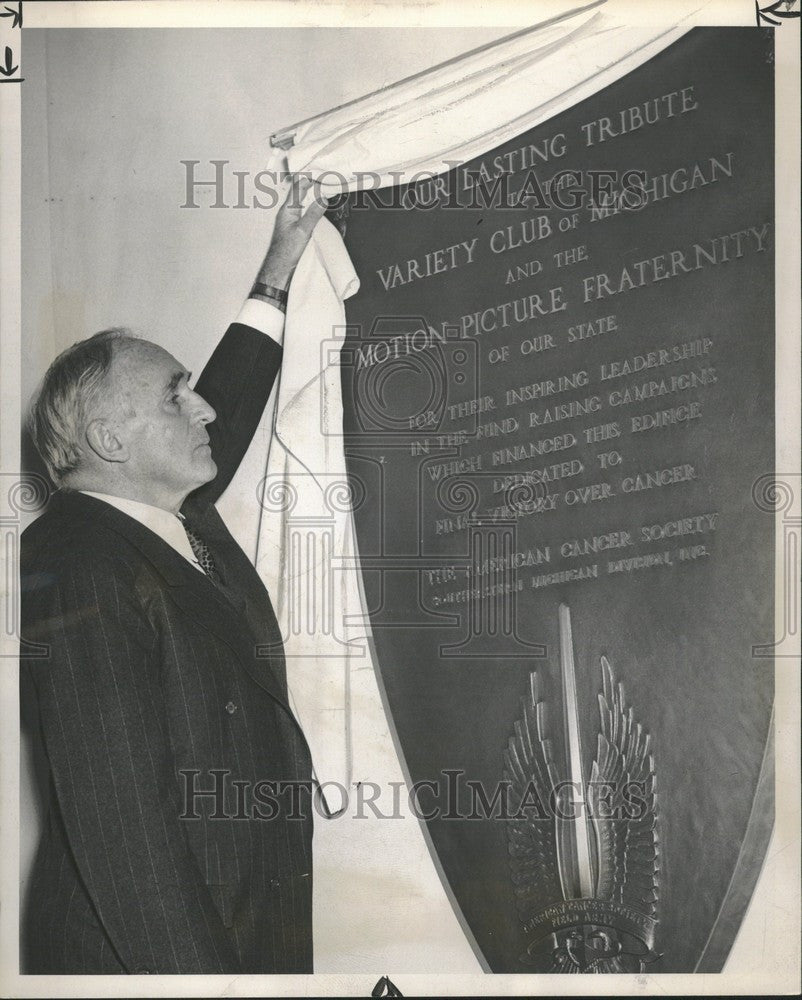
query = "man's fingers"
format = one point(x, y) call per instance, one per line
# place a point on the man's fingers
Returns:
point(293, 200)
point(298, 188)
point(303, 222)
point(314, 213)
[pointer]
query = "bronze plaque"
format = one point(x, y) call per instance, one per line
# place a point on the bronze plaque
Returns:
point(558, 386)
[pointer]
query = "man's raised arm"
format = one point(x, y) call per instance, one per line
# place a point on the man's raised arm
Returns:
point(239, 376)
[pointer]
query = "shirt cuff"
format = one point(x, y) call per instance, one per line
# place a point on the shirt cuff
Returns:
point(263, 317)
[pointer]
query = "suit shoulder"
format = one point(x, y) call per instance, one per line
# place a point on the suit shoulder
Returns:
point(70, 570)
point(56, 540)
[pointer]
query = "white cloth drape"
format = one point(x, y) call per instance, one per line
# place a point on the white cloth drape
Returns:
point(469, 105)
point(304, 552)
point(305, 547)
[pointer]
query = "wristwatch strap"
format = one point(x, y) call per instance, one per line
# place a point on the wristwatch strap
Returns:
point(276, 296)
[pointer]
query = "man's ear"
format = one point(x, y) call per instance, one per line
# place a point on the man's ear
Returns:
point(105, 443)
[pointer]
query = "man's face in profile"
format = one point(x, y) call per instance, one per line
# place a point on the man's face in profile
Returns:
point(161, 422)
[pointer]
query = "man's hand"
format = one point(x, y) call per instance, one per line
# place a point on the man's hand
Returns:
point(291, 233)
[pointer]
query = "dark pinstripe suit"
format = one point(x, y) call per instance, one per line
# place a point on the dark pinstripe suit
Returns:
point(154, 682)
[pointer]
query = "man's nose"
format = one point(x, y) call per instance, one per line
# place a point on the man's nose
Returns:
point(203, 412)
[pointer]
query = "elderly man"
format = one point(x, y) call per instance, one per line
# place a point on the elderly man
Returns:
point(178, 838)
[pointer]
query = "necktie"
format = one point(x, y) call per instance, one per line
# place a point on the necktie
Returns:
point(201, 552)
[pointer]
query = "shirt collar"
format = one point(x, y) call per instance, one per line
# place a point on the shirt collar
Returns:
point(169, 527)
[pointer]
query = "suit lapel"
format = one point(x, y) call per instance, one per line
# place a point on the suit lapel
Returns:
point(192, 591)
point(242, 584)
point(210, 610)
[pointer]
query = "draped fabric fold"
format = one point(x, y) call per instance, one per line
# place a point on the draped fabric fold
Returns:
point(464, 108)
point(305, 549)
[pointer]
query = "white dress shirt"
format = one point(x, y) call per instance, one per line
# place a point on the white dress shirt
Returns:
point(160, 521)
point(262, 317)
point(266, 319)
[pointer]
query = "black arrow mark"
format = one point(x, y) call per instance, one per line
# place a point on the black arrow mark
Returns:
point(8, 69)
point(16, 14)
point(766, 14)
point(386, 988)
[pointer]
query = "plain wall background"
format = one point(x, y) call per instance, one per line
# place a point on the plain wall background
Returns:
point(108, 116)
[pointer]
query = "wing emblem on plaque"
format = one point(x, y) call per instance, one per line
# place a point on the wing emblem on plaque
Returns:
point(584, 854)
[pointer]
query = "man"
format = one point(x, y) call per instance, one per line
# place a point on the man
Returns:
point(178, 838)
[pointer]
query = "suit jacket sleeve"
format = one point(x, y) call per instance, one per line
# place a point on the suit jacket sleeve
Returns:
point(106, 736)
point(236, 381)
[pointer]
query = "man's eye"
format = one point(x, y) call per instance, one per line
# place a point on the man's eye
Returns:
point(175, 398)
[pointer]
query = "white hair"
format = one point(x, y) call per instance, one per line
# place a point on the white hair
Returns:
point(60, 410)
